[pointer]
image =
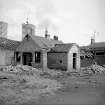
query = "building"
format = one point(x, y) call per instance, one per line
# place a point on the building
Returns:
point(28, 29)
point(39, 52)
point(65, 57)
point(33, 50)
point(97, 52)
point(7, 49)
point(3, 29)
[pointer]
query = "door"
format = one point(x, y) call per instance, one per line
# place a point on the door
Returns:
point(27, 58)
point(74, 60)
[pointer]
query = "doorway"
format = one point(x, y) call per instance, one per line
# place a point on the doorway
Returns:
point(74, 60)
point(27, 58)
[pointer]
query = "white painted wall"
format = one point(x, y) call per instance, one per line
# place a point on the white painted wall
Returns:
point(76, 50)
point(2, 57)
point(6, 57)
point(9, 57)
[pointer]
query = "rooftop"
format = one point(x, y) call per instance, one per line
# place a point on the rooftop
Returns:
point(62, 47)
point(8, 44)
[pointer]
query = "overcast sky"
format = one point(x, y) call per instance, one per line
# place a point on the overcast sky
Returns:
point(72, 20)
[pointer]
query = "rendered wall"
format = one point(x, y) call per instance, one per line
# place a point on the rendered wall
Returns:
point(9, 57)
point(76, 50)
point(2, 57)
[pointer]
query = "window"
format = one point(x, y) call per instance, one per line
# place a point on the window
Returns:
point(37, 57)
point(18, 56)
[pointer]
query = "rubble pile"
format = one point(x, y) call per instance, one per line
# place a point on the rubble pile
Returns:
point(93, 69)
point(20, 69)
point(31, 78)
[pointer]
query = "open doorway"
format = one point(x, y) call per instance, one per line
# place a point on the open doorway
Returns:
point(74, 60)
point(27, 58)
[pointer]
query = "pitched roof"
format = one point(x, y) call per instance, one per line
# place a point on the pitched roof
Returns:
point(44, 42)
point(95, 46)
point(98, 44)
point(62, 47)
point(8, 44)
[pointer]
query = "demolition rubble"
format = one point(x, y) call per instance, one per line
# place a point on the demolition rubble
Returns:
point(22, 84)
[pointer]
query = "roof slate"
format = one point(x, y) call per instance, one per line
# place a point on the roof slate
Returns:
point(44, 42)
point(40, 41)
point(8, 44)
point(95, 46)
point(62, 47)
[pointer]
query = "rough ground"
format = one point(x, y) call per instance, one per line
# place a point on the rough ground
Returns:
point(51, 88)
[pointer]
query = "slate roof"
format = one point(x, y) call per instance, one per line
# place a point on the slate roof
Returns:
point(43, 42)
point(95, 46)
point(99, 44)
point(62, 47)
point(8, 44)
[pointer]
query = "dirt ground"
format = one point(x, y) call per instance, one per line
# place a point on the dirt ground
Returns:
point(79, 91)
point(85, 90)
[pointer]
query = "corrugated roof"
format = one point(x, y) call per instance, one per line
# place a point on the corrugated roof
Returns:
point(44, 42)
point(62, 47)
point(8, 44)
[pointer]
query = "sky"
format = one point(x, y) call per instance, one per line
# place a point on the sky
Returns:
point(74, 21)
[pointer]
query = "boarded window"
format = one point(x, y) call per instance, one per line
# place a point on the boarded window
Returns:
point(37, 57)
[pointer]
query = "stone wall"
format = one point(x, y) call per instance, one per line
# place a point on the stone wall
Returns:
point(57, 60)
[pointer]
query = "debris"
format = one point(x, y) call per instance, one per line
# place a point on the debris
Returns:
point(93, 69)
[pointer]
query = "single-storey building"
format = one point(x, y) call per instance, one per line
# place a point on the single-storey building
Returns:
point(7, 49)
point(39, 52)
point(97, 50)
point(33, 50)
point(65, 57)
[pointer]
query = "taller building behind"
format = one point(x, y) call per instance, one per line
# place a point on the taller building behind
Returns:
point(28, 29)
point(3, 29)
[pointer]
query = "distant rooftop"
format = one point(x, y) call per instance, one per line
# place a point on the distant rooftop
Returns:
point(8, 44)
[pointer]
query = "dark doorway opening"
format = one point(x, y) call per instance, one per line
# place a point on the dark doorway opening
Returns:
point(27, 58)
point(74, 60)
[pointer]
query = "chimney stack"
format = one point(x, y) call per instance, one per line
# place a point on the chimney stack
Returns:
point(92, 40)
point(55, 37)
point(46, 34)
point(28, 28)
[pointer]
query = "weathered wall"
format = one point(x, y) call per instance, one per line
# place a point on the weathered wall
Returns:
point(9, 57)
point(6, 57)
point(57, 60)
point(86, 62)
point(76, 50)
point(100, 59)
point(30, 46)
point(2, 57)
